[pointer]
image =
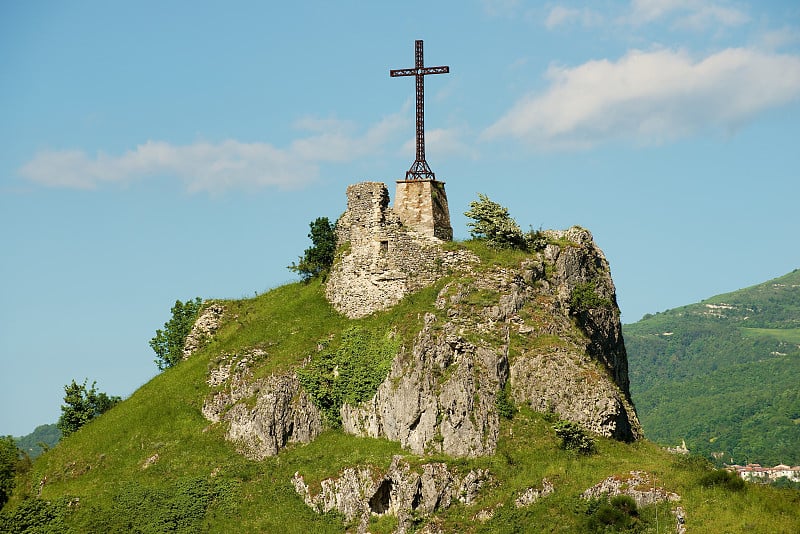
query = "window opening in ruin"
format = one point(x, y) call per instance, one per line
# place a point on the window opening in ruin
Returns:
point(384, 247)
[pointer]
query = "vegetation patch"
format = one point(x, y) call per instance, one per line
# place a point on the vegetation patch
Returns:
point(574, 438)
point(617, 514)
point(505, 402)
point(351, 373)
point(584, 297)
point(788, 335)
point(720, 478)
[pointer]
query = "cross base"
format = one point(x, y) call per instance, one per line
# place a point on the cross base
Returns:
point(420, 170)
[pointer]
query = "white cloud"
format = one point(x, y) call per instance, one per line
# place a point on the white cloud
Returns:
point(214, 167)
point(776, 39)
point(441, 142)
point(651, 97)
point(560, 15)
point(201, 166)
point(693, 14)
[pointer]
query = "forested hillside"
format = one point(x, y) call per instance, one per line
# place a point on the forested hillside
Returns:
point(723, 374)
point(47, 435)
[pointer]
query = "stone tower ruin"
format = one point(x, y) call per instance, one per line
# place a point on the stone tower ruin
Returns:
point(422, 206)
point(389, 252)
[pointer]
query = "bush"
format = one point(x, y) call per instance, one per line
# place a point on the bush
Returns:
point(37, 516)
point(168, 343)
point(494, 224)
point(573, 437)
point(82, 405)
point(620, 513)
point(535, 240)
point(720, 478)
point(584, 297)
point(505, 403)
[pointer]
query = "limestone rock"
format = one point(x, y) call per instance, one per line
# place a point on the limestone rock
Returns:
point(641, 487)
point(531, 495)
point(638, 485)
point(362, 491)
point(282, 413)
point(441, 393)
point(439, 397)
point(203, 329)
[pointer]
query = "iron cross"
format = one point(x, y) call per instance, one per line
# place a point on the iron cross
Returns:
point(419, 169)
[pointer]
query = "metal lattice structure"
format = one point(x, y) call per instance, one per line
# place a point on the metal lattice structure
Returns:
point(419, 169)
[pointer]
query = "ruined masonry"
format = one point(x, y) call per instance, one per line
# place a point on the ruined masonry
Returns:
point(390, 252)
point(422, 206)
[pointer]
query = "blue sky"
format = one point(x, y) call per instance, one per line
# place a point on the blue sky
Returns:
point(153, 151)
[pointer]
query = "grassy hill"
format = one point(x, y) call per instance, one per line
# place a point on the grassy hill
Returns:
point(153, 463)
point(723, 374)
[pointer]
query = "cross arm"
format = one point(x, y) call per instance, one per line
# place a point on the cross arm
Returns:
point(421, 71)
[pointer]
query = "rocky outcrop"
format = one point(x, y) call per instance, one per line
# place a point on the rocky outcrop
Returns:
point(574, 363)
point(440, 396)
point(531, 495)
point(638, 485)
point(360, 492)
point(203, 329)
point(524, 326)
point(544, 332)
point(263, 415)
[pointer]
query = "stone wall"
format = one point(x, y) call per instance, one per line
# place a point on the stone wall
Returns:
point(382, 258)
point(422, 205)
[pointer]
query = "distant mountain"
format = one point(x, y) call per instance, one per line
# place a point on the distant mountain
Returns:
point(723, 374)
point(47, 434)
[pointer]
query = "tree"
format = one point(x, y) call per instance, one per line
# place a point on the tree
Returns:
point(168, 343)
point(493, 223)
point(9, 457)
point(82, 406)
point(317, 259)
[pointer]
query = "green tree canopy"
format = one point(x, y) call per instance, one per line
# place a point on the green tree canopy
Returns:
point(492, 222)
point(168, 343)
point(9, 456)
point(82, 405)
point(317, 259)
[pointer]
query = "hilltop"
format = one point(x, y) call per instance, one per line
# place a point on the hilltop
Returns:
point(484, 390)
point(723, 373)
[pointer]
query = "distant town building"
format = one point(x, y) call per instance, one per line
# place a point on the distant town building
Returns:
point(756, 473)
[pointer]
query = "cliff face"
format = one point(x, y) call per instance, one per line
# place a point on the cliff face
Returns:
point(509, 331)
point(541, 331)
point(282, 412)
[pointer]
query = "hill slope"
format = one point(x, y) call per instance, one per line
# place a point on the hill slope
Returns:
point(154, 463)
point(723, 374)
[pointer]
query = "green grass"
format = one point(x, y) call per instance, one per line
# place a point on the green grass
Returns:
point(492, 256)
point(787, 335)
